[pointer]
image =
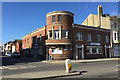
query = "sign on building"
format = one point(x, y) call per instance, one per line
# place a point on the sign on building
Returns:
point(94, 44)
point(57, 52)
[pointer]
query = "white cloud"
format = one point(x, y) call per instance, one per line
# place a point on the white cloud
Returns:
point(114, 13)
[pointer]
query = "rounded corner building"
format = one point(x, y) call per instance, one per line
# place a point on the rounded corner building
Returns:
point(61, 39)
point(59, 33)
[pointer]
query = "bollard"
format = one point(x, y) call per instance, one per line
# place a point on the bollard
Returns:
point(68, 65)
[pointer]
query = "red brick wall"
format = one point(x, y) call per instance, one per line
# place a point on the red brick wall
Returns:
point(42, 32)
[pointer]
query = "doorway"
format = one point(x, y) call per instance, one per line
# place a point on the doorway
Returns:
point(107, 52)
point(79, 53)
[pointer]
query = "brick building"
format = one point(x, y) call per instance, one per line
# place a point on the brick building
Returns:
point(60, 38)
point(16, 45)
point(107, 22)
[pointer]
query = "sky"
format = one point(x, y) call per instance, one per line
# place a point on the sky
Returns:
point(21, 18)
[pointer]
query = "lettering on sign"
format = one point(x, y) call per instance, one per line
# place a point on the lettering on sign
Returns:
point(94, 44)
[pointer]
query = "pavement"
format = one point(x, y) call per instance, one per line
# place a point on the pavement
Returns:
point(82, 61)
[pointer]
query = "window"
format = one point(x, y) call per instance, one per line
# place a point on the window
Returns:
point(118, 36)
point(106, 39)
point(88, 50)
point(56, 34)
point(64, 34)
point(40, 37)
point(50, 34)
point(115, 25)
point(99, 50)
point(77, 37)
point(114, 36)
point(89, 37)
point(53, 18)
point(94, 50)
point(27, 41)
point(59, 18)
point(98, 38)
point(31, 40)
point(80, 36)
point(35, 39)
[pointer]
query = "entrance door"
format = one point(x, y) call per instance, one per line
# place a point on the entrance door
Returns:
point(79, 53)
point(107, 51)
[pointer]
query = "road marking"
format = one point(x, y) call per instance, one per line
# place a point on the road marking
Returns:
point(118, 65)
point(13, 68)
point(117, 70)
point(23, 67)
point(31, 66)
point(3, 67)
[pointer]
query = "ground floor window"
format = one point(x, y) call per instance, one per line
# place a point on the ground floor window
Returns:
point(94, 50)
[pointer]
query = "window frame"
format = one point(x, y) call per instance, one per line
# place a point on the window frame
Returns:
point(89, 36)
point(53, 18)
point(28, 41)
point(59, 18)
point(98, 38)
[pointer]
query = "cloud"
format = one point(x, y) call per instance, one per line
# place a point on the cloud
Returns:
point(114, 13)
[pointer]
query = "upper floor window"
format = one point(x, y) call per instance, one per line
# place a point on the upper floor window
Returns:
point(89, 37)
point(31, 40)
point(64, 34)
point(40, 37)
point(49, 34)
point(115, 26)
point(118, 36)
point(114, 36)
point(98, 38)
point(56, 33)
point(79, 36)
point(59, 18)
point(53, 18)
point(106, 39)
point(27, 41)
point(35, 39)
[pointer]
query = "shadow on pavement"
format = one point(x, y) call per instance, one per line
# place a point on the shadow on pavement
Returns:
point(60, 77)
point(13, 60)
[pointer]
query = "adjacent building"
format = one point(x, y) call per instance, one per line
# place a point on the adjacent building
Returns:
point(17, 45)
point(12, 46)
point(60, 38)
point(107, 22)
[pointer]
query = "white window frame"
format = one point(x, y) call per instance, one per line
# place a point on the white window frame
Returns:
point(115, 25)
point(89, 37)
point(98, 38)
point(115, 35)
point(79, 35)
point(28, 41)
point(106, 38)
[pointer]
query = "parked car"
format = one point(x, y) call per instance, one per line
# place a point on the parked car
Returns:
point(8, 54)
point(16, 54)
